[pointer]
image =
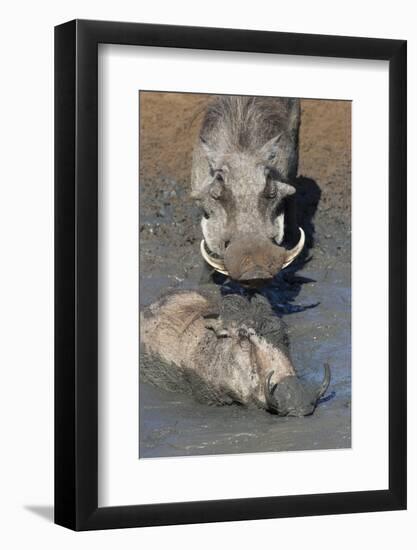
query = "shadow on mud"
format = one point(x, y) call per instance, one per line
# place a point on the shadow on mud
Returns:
point(308, 197)
point(283, 290)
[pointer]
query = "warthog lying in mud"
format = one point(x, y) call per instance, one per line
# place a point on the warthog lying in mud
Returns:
point(244, 166)
point(223, 350)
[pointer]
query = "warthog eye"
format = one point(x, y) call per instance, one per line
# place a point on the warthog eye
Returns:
point(219, 177)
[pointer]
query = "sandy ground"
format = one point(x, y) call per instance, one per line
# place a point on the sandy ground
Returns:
point(173, 424)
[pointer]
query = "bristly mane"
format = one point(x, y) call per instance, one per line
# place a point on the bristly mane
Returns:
point(238, 123)
point(257, 313)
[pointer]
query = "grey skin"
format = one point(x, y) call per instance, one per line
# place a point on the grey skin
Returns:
point(223, 350)
point(244, 166)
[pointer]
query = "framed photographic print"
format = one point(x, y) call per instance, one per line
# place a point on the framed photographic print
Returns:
point(230, 275)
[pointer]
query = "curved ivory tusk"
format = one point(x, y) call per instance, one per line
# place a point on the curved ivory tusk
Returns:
point(271, 402)
point(216, 263)
point(294, 252)
point(326, 381)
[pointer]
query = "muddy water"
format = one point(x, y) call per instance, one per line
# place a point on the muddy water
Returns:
point(175, 425)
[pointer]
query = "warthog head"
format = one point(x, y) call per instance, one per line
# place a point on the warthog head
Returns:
point(243, 167)
point(288, 397)
point(253, 329)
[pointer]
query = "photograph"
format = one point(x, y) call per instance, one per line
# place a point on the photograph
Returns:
point(208, 234)
point(244, 274)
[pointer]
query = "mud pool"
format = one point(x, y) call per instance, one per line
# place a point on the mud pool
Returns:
point(315, 302)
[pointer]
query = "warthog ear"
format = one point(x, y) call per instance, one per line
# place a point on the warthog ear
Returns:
point(269, 151)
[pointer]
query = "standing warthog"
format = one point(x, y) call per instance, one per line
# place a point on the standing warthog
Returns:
point(244, 165)
point(223, 351)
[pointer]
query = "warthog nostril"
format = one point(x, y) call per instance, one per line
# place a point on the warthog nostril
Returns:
point(226, 244)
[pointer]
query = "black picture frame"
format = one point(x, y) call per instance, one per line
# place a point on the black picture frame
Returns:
point(76, 272)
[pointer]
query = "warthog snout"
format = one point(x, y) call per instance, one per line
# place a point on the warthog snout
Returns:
point(291, 398)
point(253, 259)
point(250, 259)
